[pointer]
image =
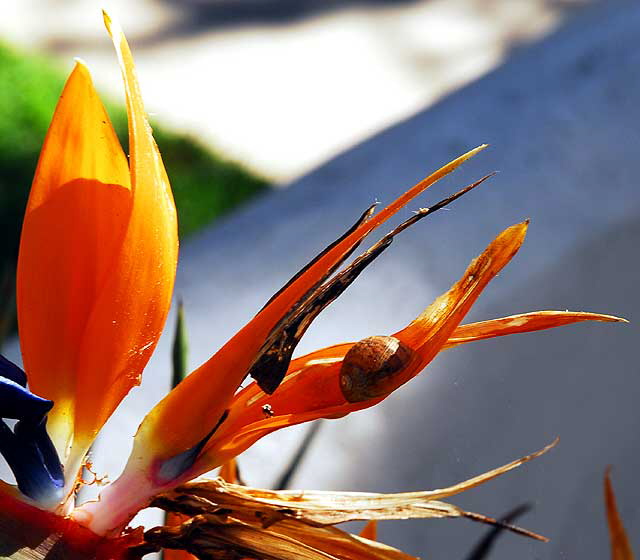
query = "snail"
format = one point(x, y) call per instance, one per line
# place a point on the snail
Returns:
point(369, 367)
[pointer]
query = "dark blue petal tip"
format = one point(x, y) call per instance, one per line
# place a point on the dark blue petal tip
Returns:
point(27, 448)
point(11, 371)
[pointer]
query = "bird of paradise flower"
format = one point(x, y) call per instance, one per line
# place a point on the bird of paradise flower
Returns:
point(96, 269)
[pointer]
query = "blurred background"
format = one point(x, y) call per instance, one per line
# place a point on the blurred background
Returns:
point(281, 120)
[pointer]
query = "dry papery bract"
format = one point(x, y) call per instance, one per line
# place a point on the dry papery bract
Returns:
point(226, 520)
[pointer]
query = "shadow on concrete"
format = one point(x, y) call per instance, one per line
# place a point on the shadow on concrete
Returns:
point(210, 13)
point(204, 15)
point(194, 17)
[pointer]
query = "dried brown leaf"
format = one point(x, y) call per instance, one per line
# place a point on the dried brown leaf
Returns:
point(339, 543)
point(319, 508)
point(209, 536)
point(326, 507)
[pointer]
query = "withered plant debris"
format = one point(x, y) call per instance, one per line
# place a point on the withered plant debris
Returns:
point(230, 521)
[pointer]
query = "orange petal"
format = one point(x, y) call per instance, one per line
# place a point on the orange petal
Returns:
point(312, 388)
point(370, 530)
point(620, 547)
point(129, 314)
point(166, 430)
point(69, 244)
point(80, 142)
point(229, 471)
point(431, 330)
point(522, 323)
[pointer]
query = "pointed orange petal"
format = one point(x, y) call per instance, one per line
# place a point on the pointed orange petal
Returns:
point(229, 471)
point(431, 330)
point(80, 142)
point(209, 388)
point(312, 388)
point(620, 547)
point(129, 315)
point(522, 323)
point(370, 530)
point(69, 243)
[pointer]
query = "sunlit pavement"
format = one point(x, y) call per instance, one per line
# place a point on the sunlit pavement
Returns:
point(280, 85)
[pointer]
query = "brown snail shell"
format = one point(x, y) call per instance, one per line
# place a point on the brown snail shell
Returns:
point(369, 367)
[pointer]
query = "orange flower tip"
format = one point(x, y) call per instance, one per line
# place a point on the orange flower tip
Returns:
point(108, 22)
point(80, 64)
point(113, 27)
point(608, 318)
point(468, 155)
point(523, 226)
point(478, 149)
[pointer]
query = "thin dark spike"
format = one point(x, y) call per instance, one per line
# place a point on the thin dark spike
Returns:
point(272, 363)
point(179, 353)
point(424, 212)
point(287, 476)
point(482, 549)
point(363, 218)
point(502, 525)
point(271, 366)
point(180, 349)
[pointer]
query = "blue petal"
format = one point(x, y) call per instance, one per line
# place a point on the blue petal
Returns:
point(27, 448)
point(19, 403)
point(36, 433)
point(25, 457)
point(11, 371)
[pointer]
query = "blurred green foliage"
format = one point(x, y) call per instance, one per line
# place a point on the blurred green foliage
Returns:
point(205, 185)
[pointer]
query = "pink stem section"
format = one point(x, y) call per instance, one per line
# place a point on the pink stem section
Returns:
point(117, 504)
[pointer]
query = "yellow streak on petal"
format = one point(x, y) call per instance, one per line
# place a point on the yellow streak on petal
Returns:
point(522, 323)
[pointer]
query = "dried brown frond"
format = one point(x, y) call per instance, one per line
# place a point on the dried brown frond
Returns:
point(232, 521)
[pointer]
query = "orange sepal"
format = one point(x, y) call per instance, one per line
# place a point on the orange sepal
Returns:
point(370, 530)
point(311, 389)
point(523, 323)
point(166, 430)
point(429, 332)
point(620, 546)
point(229, 471)
point(130, 312)
point(69, 244)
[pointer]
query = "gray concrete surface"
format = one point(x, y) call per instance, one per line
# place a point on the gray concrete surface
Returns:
point(257, 79)
point(562, 117)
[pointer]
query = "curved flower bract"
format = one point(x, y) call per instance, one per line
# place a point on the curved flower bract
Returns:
point(329, 383)
point(97, 263)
